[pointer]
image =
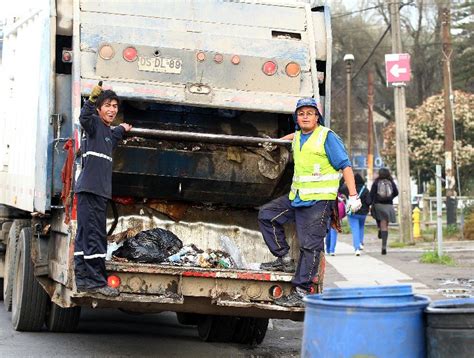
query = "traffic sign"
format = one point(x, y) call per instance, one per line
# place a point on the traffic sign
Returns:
point(397, 68)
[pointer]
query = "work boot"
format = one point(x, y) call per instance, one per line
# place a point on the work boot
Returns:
point(285, 264)
point(104, 290)
point(294, 299)
point(384, 242)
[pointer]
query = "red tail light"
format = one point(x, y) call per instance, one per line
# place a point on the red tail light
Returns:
point(292, 69)
point(130, 54)
point(269, 68)
point(276, 291)
point(113, 281)
point(67, 56)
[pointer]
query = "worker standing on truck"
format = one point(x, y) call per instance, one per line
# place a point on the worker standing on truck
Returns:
point(94, 189)
point(319, 156)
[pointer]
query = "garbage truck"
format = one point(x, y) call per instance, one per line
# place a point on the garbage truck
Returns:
point(209, 87)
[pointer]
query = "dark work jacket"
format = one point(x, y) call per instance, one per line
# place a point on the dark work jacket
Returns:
point(96, 149)
point(375, 199)
point(364, 198)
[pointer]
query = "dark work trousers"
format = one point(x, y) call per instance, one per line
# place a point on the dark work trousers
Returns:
point(312, 223)
point(90, 245)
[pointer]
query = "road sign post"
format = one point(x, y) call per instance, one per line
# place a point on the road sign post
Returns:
point(397, 69)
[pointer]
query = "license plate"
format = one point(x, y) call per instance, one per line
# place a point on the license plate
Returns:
point(160, 64)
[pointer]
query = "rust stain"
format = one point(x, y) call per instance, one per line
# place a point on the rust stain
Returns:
point(174, 210)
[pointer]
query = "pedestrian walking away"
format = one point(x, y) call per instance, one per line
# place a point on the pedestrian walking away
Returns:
point(94, 188)
point(357, 220)
point(382, 192)
point(319, 156)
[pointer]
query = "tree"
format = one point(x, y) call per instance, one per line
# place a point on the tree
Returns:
point(426, 138)
point(463, 45)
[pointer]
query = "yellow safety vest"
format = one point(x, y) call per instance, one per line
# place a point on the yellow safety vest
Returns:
point(314, 178)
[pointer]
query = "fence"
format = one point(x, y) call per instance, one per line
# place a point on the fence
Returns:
point(427, 204)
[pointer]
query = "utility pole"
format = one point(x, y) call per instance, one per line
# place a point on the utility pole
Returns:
point(450, 183)
point(403, 165)
point(349, 59)
point(370, 126)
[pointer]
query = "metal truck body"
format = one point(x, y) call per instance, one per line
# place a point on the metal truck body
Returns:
point(205, 84)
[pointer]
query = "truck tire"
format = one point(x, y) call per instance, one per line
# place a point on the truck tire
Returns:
point(10, 255)
point(216, 328)
point(250, 330)
point(28, 299)
point(63, 320)
point(189, 319)
point(243, 330)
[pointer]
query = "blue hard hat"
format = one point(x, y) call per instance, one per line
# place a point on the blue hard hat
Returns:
point(308, 102)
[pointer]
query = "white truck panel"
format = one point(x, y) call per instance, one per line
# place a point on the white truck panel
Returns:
point(27, 63)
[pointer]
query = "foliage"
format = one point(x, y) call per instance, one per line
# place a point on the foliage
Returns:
point(426, 136)
point(432, 257)
point(469, 224)
point(463, 45)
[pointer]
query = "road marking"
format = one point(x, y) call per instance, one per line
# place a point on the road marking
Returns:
point(365, 270)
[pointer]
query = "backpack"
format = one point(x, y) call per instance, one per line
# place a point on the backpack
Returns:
point(341, 207)
point(384, 189)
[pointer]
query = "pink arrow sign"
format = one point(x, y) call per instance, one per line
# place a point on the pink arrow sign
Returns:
point(397, 68)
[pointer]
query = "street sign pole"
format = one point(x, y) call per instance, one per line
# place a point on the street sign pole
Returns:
point(403, 165)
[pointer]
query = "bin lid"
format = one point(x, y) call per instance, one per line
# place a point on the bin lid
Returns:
point(371, 291)
point(459, 305)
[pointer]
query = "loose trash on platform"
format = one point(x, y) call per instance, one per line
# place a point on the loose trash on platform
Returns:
point(164, 247)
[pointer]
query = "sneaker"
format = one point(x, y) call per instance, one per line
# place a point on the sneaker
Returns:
point(294, 299)
point(280, 264)
point(361, 247)
point(357, 252)
point(104, 290)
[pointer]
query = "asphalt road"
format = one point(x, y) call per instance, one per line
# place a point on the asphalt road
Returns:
point(112, 333)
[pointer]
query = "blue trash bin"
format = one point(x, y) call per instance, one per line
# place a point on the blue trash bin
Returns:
point(381, 321)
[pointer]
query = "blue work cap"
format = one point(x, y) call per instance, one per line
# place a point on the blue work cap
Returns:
point(308, 102)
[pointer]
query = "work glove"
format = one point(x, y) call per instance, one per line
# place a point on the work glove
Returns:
point(96, 91)
point(353, 204)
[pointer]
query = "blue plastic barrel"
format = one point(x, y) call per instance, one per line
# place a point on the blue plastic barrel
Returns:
point(381, 321)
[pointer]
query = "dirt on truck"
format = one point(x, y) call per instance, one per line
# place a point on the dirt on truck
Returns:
point(209, 87)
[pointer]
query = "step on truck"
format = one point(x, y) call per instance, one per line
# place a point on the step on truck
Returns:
point(209, 87)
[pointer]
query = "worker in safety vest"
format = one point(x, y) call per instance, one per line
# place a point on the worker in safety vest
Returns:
point(319, 158)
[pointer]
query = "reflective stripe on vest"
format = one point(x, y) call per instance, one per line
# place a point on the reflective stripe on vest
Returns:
point(96, 154)
point(308, 178)
point(315, 178)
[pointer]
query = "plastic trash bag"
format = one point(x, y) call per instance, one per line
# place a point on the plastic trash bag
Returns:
point(151, 246)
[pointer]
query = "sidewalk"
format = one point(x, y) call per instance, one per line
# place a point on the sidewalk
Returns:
point(402, 266)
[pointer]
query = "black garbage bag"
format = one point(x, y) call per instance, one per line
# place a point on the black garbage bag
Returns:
point(151, 246)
